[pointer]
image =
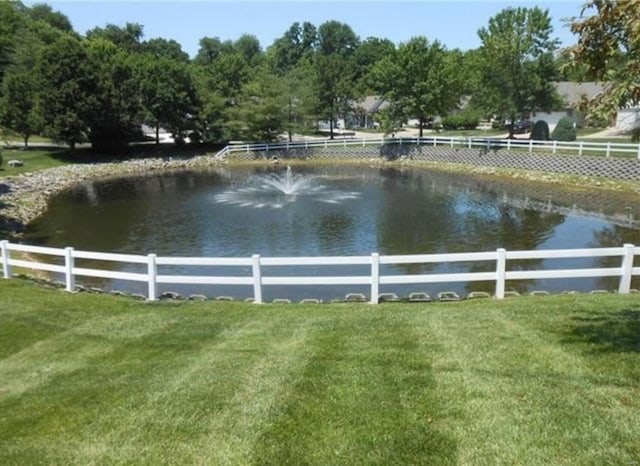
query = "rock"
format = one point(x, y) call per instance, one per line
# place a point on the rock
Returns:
point(15, 163)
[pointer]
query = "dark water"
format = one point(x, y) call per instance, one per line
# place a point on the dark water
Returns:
point(336, 211)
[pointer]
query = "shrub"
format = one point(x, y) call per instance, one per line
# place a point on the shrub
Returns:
point(465, 120)
point(564, 130)
point(540, 131)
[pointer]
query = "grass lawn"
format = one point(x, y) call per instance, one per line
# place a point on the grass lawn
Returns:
point(8, 135)
point(92, 379)
point(34, 159)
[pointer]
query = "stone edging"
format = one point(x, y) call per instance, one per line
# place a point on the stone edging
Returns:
point(612, 167)
point(25, 197)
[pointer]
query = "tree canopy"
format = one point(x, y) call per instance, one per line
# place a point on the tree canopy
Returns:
point(102, 86)
point(609, 47)
point(517, 63)
point(420, 79)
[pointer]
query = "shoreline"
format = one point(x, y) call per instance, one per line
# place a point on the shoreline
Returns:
point(25, 197)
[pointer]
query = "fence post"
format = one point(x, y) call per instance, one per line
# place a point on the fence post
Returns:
point(627, 269)
point(508, 144)
point(530, 145)
point(306, 144)
point(501, 272)
point(375, 277)
point(580, 149)
point(6, 267)
point(68, 269)
point(469, 143)
point(608, 149)
point(152, 271)
point(451, 142)
point(638, 151)
point(554, 146)
point(257, 279)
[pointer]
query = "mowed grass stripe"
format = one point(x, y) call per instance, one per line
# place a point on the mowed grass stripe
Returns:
point(367, 392)
point(525, 381)
point(530, 397)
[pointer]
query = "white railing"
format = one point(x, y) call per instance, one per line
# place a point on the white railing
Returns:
point(576, 148)
point(499, 274)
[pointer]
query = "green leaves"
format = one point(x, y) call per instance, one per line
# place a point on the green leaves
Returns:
point(609, 46)
point(517, 63)
point(420, 79)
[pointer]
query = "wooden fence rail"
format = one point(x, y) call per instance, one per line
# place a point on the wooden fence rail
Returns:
point(257, 278)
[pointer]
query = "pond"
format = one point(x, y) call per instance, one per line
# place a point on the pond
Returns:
point(336, 211)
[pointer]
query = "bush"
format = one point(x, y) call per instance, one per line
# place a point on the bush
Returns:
point(461, 121)
point(540, 131)
point(564, 130)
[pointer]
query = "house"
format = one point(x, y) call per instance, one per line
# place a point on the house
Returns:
point(573, 94)
point(363, 114)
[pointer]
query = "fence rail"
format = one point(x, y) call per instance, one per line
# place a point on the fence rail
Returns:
point(500, 274)
point(577, 148)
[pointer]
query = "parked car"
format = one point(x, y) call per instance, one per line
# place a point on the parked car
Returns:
point(523, 126)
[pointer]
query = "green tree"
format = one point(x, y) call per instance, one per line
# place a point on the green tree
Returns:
point(609, 47)
point(248, 46)
point(369, 52)
point(263, 108)
point(420, 80)
point(219, 85)
point(302, 97)
point(211, 49)
point(517, 63)
point(163, 48)
point(67, 86)
point(11, 21)
point(20, 105)
point(55, 19)
point(298, 42)
point(335, 70)
point(540, 131)
point(564, 130)
point(168, 93)
point(128, 38)
point(114, 112)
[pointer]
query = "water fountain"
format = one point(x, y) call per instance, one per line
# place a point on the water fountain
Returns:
point(277, 190)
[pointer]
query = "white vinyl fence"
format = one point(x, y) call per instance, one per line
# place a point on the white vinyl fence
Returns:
point(574, 148)
point(625, 271)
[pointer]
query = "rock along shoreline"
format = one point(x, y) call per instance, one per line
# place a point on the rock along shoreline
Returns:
point(25, 197)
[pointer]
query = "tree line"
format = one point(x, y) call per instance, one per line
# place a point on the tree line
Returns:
point(101, 86)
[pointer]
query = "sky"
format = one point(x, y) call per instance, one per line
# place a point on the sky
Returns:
point(454, 23)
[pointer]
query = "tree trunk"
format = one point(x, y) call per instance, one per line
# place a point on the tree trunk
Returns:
point(331, 127)
point(26, 142)
point(513, 118)
point(157, 133)
point(420, 123)
point(290, 119)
